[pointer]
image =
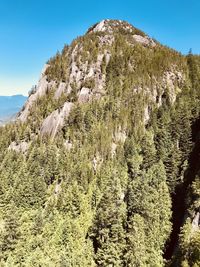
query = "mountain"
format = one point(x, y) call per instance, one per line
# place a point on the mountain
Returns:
point(10, 105)
point(101, 167)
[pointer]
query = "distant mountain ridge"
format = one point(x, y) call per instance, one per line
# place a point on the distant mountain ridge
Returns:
point(10, 105)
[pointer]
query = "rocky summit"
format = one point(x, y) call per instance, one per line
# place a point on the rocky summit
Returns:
point(101, 166)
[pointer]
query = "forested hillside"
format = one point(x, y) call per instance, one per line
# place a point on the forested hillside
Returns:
point(101, 167)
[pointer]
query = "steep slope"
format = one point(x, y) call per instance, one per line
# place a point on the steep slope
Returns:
point(89, 170)
point(80, 72)
point(186, 219)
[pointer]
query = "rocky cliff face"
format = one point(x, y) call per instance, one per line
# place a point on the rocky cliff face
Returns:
point(85, 72)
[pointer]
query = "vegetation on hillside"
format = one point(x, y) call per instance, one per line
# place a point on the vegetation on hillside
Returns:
point(91, 205)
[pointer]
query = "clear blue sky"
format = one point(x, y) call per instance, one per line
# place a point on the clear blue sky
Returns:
point(31, 31)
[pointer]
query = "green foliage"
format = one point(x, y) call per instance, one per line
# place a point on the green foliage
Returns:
point(149, 199)
point(58, 69)
point(99, 194)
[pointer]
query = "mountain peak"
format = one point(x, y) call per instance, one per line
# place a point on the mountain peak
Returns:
point(103, 142)
point(111, 25)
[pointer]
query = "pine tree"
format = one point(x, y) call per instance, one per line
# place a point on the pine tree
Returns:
point(11, 234)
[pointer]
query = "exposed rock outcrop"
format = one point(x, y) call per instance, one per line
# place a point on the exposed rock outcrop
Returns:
point(196, 222)
point(144, 40)
point(61, 89)
point(86, 80)
point(40, 90)
point(19, 147)
point(56, 120)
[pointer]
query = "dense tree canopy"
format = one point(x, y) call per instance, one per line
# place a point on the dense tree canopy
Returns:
point(103, 202)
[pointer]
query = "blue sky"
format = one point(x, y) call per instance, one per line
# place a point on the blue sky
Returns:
point(31, 31)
